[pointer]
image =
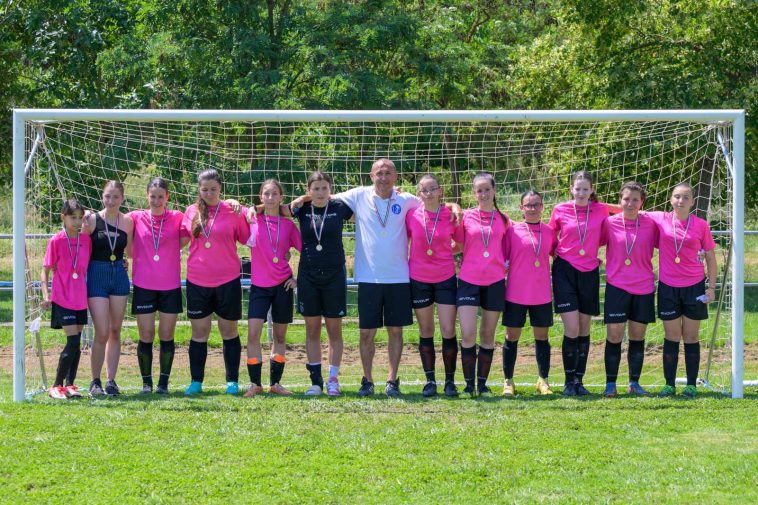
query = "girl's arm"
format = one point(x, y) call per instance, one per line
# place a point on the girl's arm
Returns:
point(710, 262)
point(44, 277)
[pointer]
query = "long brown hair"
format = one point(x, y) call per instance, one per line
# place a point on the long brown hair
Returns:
point(202, 208)
point(489, 178)
point(583, 175)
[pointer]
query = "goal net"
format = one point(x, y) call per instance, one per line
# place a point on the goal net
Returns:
point(71, 154)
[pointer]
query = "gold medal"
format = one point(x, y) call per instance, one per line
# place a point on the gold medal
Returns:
point(429, 252)
point(537, 263)
point(113, 257)
point(581, 252)
point(677, 260)
point(319, 247)
point(486, 254)
point(156, 257)
point(75, 275)
point(207, 245)
point(275, 260)
point(627, 262)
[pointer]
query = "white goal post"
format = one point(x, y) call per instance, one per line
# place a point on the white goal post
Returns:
point(22, 157)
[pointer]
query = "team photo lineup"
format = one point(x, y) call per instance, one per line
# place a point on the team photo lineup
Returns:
point(414, 253)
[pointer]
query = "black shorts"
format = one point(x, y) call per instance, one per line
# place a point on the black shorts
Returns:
point(225, 300)
point(276, 298)
point(61, 316)
point(621, 306)
point(676, 302)
point(384, 305)
point(574, 289)
point(540, 316)
point(424, 294)
point(490, 297)
point(322, 292)
point(147, 301)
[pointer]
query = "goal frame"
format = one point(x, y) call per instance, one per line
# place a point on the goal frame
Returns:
point(734, 116)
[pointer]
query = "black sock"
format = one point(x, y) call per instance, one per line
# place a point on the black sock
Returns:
point(145, 360)
point(254, 371)
point(635, 356)
point(449, 355)
point(71, 376)
point(569, 351)
point(66, 359)
point(198, 354)
point(232, 349)
point(315, 372)
point(670, 361)
point(468, 364)
point(277, 370)
point(484, 363)
point(166, 358)
point(510, 352)
point(692, 362)
point(542, 351)
point(426, 350)
point(583, 352)
point(612, 360)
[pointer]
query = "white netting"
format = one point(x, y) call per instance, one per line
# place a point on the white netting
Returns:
point(76, 158)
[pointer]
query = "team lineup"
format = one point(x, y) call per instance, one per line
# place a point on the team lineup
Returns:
point(405, 248)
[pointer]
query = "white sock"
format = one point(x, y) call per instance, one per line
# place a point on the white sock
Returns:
point(333, 371)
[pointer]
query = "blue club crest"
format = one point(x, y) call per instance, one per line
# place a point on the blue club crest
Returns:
point(396, 208)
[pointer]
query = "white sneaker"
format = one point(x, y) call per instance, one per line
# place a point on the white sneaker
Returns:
point(333, 387)
point(314, 390)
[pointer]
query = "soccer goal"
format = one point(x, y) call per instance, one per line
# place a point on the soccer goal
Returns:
point(61, 154)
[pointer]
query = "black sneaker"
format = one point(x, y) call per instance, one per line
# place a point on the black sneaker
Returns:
point(161, 390)
point(111, 388)
point(430, 389)
point(569, 389)
point(485, 392)
point(393, 388)
point(469, 390)
point(580, 389)
point(146, 389)
point(450, 389)
point(367, 388)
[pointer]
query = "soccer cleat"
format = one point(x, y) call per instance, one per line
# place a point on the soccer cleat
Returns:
point(278, 389)
point(367, 387)
point(232, 388)
point(314, 390)
point(485, 392)
point(690, 391)
point(450, 389)
point(543, 387)
point(72, 391)
point(252, 391)
point(393, 388)
point(667, 391)
point(569, 389)
point(96, 388)
point(57, 393)
point(580, 389)
point(430, 389)
point(111, 388)
point(146, 389)
point(610, 390)
point(195, 388)
point(161, 390)
point(333, 387)
point(469, 391)
point(509, 388)
point(636, 389)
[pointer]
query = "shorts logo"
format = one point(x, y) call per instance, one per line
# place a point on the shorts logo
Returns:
point(561, 305)
point(194, 311)
point(144, 306)
point(421, 300)
point(668, 313)
point(467, 298)
point(396, 209)
point(617, 314)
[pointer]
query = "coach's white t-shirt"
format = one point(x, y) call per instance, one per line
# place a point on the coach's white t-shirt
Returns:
point(381, 252)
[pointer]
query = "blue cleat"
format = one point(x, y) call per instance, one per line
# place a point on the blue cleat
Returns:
point(610, 390)
point(636, 389)
point(232, 388)
point(195, 388)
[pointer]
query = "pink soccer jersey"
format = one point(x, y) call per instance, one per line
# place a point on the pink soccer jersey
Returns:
point(158, 269)
point(689, 270)
point(631, 272)
point(482, 265)
point(218, 264)
point(529, 272)
point(68, 292)
point(439, 265)
point(267, 234)
point(568, 226)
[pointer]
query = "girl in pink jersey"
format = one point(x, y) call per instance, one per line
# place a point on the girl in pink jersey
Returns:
point(528, 247)
point(213, 278)
point(576, 275)
point(156, 274)
point(67, 255)
point(481, 282)
point(432, 274)
point(630, 239)
point(682, 292)
point(272, 285)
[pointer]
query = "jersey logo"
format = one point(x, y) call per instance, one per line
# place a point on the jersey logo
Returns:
point(396, 209)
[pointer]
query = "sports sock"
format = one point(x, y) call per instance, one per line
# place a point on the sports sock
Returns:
point(314, 369)
point(612, 360)
point(66, 358)
point(542, 352)
point(484, 363)
point(334, 371)
point(71, 376)
point(635, 356)
point(277, 368)
point(254, 366)
point(569, 351)
point(510, 352)
point(426, 350)
point(692, 362)
point(198, 354)
point(583, 352)
point(468, 364)
point(166, 358)
point(449, 356)
point(145, 360)
point(670, 361)
point(232, 349)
